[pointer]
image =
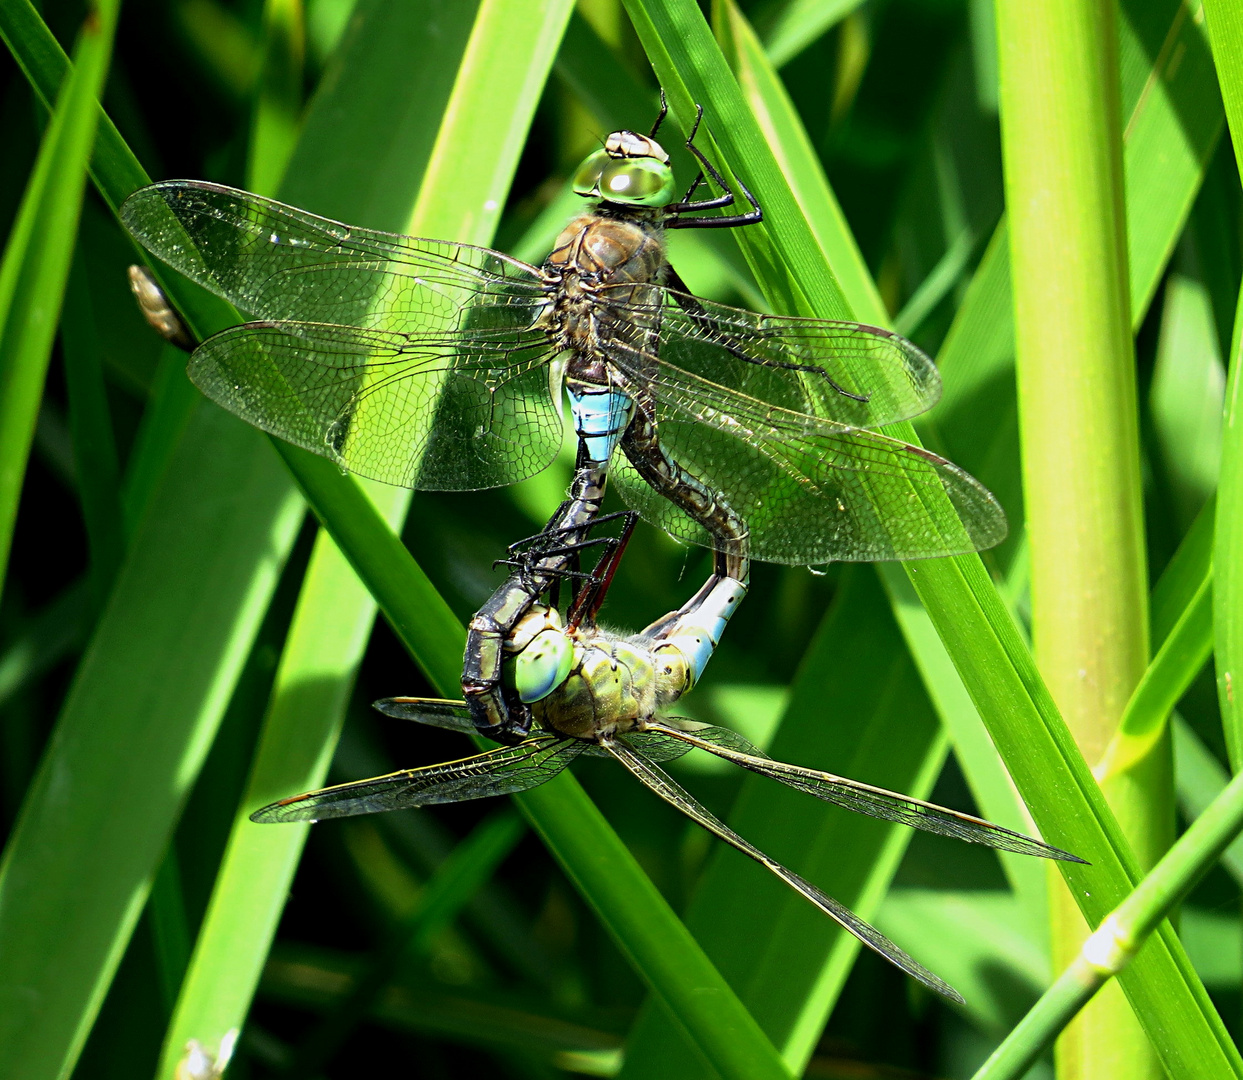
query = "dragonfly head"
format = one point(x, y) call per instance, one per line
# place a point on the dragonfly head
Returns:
point(541, 655)
point(630, 169)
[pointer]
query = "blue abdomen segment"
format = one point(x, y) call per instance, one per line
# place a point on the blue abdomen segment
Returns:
point(601, 414)
point(697, 633)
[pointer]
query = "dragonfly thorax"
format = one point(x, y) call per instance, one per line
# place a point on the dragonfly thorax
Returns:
point(602, 249)
point(591, 684)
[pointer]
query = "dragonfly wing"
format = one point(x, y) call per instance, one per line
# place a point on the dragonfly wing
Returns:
point(450, 715)
point(437, 415)
point(849, 374)
point(274, 261)
point(864, 798)
point(502, 771)
point(415, 362)
point(809, 490)
point(662, 784)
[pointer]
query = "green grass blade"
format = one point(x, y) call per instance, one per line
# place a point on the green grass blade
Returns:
point(989, 653)
point(332, 624)
point(1173, 124)
point(158, 676)
point(1201, 779)
point(800, 22)
point(278, 103)
point(36, 259)
point(784, 132)
point(1225, 24)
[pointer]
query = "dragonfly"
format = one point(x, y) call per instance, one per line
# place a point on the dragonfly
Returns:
point(441, 366)
point(596, 693)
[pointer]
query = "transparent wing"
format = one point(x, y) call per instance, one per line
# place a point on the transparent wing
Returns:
point(849, 374)
point(274, 261)
point(502, 771)
point(782, 444)
point(454, 716)
point(862, 798)
point(450, 415)
point(673, 793)
point(416, 362)
point(809, 492)
point(436, 712)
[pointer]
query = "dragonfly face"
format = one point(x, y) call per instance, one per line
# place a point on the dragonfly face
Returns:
point(630, 170)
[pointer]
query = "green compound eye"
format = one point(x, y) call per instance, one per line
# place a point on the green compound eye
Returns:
point(631, 181)
point(589, 172)
point(543, 665)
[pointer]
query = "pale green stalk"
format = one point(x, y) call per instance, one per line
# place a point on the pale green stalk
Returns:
point(1120, 936)
point(1062, 151)
point(1225, 23)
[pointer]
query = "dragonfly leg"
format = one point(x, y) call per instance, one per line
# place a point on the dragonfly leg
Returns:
point(601, 413)
point(687, 206)
point(495, 715)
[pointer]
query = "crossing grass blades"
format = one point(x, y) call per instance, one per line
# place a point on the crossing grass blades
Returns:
point(597, 693)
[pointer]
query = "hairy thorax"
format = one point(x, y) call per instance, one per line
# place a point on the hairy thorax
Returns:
point(595, 258)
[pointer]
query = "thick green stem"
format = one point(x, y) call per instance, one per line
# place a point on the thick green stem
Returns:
point(1062, 146)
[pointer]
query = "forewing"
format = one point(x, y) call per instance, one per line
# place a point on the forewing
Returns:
point(502, 771)
point(274, 261)
point(863, 798)
point(849, 374)
point(809, 490)
point(438, 414)
point(662, 784)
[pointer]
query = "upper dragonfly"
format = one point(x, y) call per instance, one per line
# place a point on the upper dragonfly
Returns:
point(439, 366)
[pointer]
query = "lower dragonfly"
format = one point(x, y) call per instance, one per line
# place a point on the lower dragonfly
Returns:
point(597, 693)
point(440, 366)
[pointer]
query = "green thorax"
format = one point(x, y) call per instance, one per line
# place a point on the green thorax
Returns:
point(590, 683)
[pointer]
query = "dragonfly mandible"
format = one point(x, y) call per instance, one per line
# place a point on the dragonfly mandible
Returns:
point(440, 366)
point(598, 693)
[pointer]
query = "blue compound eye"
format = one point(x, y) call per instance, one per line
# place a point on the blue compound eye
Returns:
point(543, 665)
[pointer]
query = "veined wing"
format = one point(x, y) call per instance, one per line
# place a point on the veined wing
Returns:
point(862, 798)
point(502, 771)
point(415, 362)
point(274, 261)
point(662, 784)
point(809, 490)
point(447, 413)
point(454, 716)
point(849, 374)
point(436, 712)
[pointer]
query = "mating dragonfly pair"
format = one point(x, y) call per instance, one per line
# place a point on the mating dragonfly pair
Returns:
point(429, 364)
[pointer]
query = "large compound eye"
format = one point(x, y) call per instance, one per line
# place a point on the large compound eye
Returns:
point(587, 178)
point(639, 182)
point(543, 665)
point(642, 181)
